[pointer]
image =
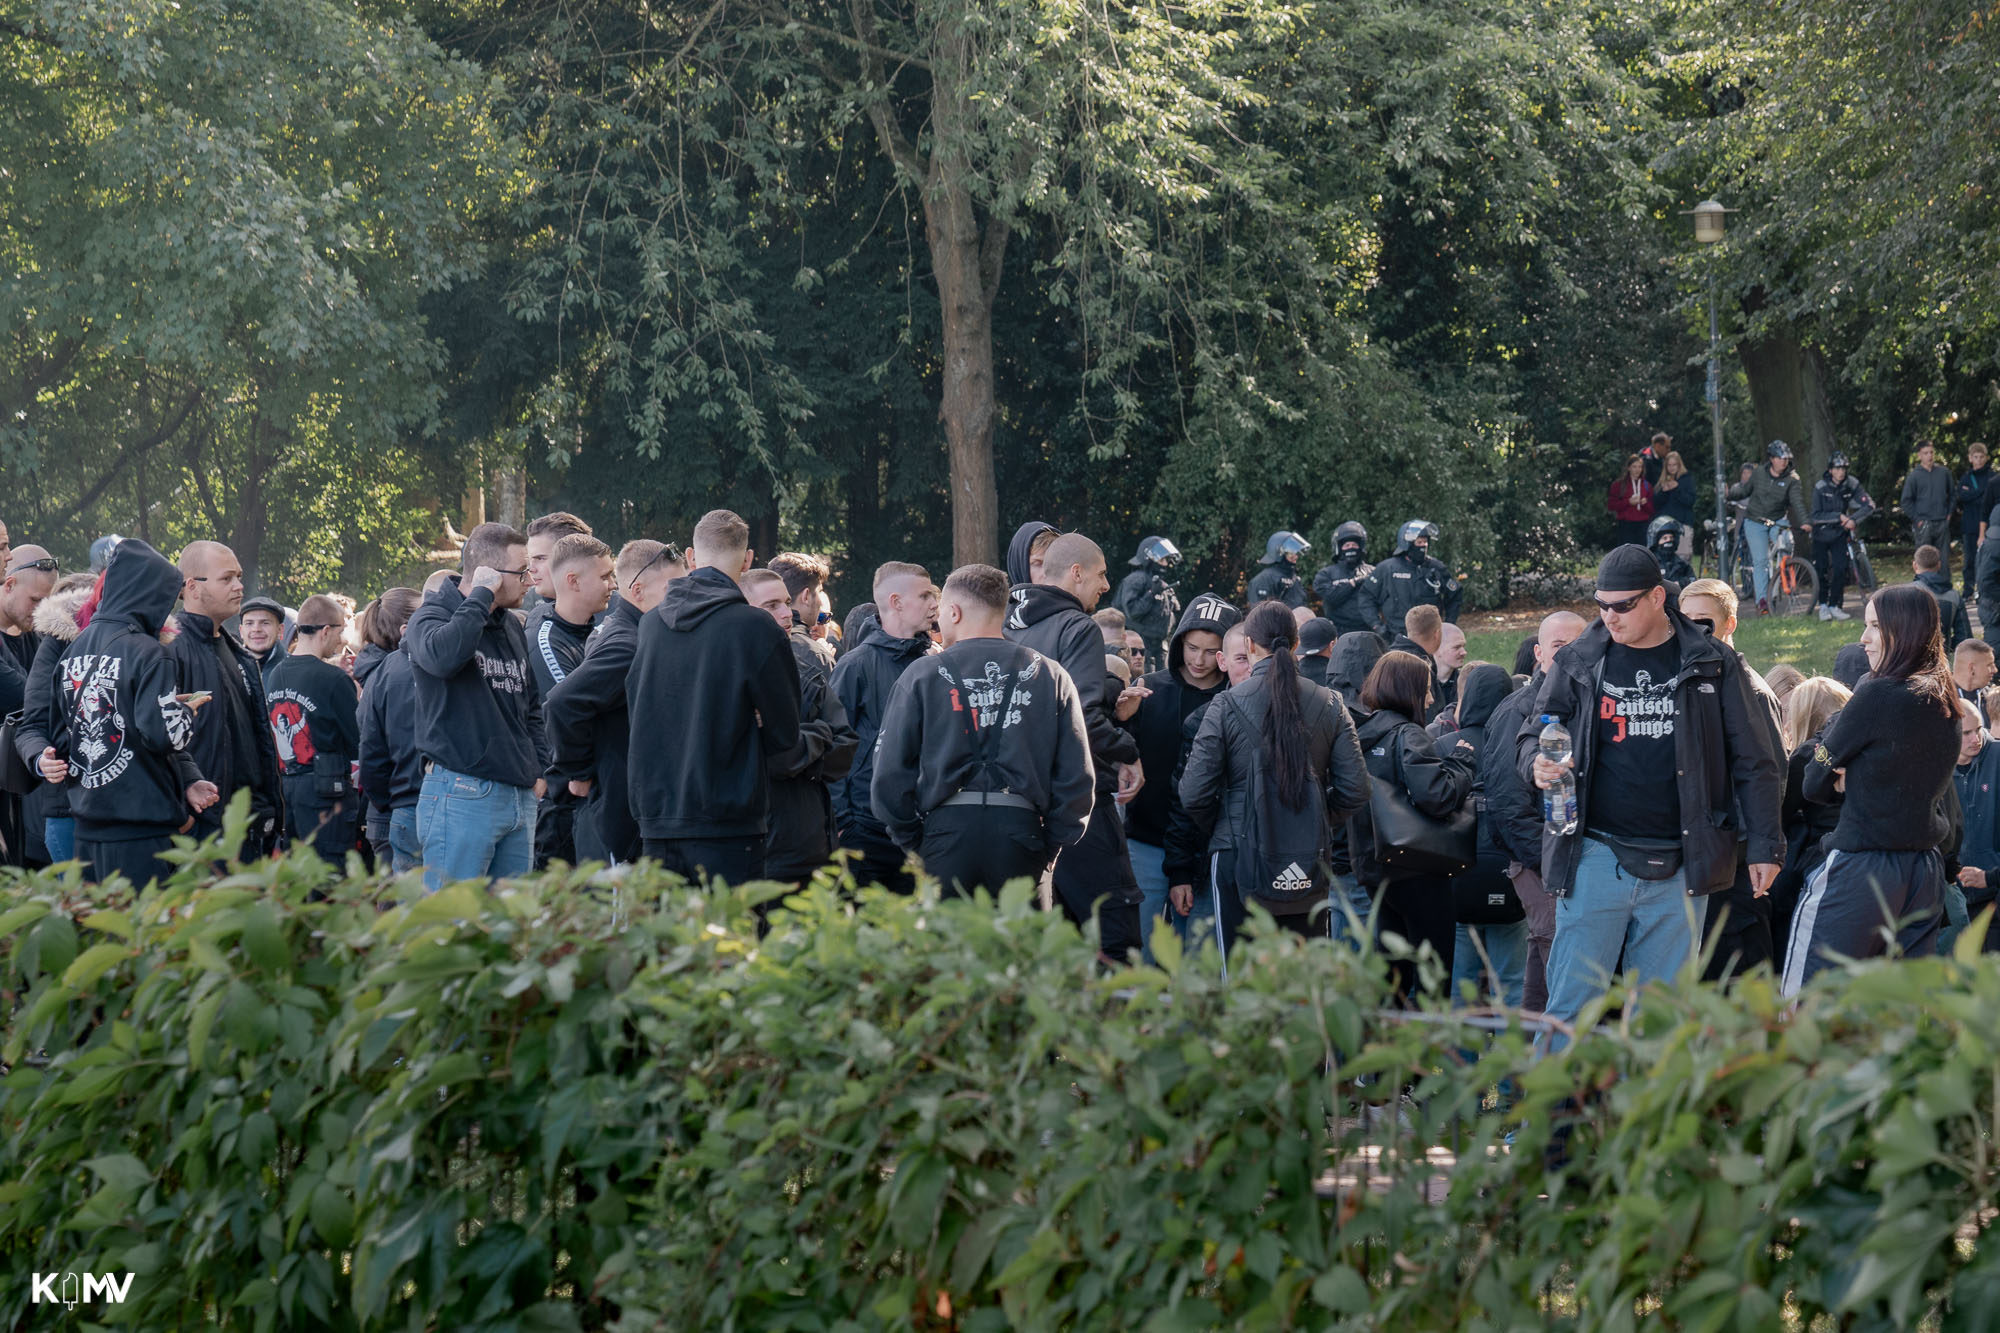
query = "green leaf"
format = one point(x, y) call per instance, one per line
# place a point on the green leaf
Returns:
point(257, 1140)
point(93, 963)
point(199, 1023)
point(1341, 1290)
point(264, 939)
point(332, 1213)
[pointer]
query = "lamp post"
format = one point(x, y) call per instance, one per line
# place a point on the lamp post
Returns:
point(1708, 229)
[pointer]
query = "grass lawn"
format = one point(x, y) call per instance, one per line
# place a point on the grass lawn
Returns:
point(1807, 642)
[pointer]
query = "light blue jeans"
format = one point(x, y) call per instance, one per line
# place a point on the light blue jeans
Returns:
point(1149, 867)
point(1759, 538)
point(1502, 974)
point(473, 828)
point(59, 836)
point(406, 852)
point(1653, 922)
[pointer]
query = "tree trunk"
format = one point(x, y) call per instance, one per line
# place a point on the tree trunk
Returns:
point(1788, 391)
point(967, 260)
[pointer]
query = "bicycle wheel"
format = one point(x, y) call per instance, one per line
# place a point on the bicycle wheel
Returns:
point(1864, 570)
point(1794, 586)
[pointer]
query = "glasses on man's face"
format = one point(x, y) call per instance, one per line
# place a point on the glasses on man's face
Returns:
point(1621, 607)
point(47, 564)
point(521, 574)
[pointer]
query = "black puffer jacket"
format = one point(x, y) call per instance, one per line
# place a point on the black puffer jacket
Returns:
point(1436, 775)
point(232, 742)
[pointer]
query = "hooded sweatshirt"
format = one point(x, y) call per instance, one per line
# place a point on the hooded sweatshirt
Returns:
point(802, 823)
point(126, 728)
point(1157, 725)
point(1354, 656)
point(1018, 567)
point(315, 719)
point(1952, 617)
point(862, 681)
point(392, 772)
point(478, 712)
point(985, 715)
point(371, 656)
point(714, 676)
point(1054, 624)
point(231, 743)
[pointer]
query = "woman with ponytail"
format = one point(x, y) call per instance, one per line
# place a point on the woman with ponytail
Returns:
point(1275, 754)
point(1890, 753)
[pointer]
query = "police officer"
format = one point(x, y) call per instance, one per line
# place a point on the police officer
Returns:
point(1838, 504)
point(1280, 579)
point(1410, 577)
point(1148, 600)
point(315, 719)
point(1338, 585)
point(1663, 539)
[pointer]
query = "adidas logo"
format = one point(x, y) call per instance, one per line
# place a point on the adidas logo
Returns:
point(1291, 880)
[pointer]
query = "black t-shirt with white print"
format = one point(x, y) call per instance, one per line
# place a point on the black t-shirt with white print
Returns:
point(1633, 791)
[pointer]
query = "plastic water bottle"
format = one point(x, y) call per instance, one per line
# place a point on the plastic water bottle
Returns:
point(1559, 801)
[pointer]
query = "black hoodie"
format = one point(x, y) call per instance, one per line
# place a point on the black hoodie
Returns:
point(392, 772)
point(126, 729)
point(1952, 618)
point(802, 823)
point(371, 656)
point(590, 737)
point(862, 680)
point(478, 712)
point(1055, 625)
point(1034, 743)
point(1436, 775)
point(1018, 566)
point(1354, 656)
point(315, 719)
point(231, 744)
point(707, 668)
point(1157, 725)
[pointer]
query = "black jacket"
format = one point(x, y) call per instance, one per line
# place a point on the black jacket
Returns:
point(1726, 747)
point(590, 733)
point(1018, 566)
point(1483, 688)
point(1229, 751)
point(984, 715)
point(1279, 582)
point(1513, 807)
point(366, 662)
point(862, 681)
point(1834, 500)
point(478, 711)
point(1899, 748)
point(1927, 495)
point(392, 771)
point(315, 717)
point(127, 731)
point(555, 646)
point(1158, 723)
point(267, 661)
point(1951, 608)
point(42, 722)
point(1055, 625)
point(1338, 586)
point(716, 675)
point(1406, 579)
point(1975, 489)
point(1149, 604)
point(802, 827)
point(232, 742)
point(1437, 776)
point(1184, 853)
point(1354, 656)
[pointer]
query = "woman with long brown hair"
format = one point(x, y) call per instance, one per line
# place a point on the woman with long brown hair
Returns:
point(1890, 754)
point(1630, 501)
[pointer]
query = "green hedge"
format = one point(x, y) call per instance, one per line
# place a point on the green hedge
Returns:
point(562, 1105)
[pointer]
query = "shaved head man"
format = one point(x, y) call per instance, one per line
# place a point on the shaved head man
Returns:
point(30, 576)
point(1075, 564)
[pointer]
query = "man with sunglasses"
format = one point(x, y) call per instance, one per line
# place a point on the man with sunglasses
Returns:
point(478, 716)
point(29, 578)
point(1677, 765)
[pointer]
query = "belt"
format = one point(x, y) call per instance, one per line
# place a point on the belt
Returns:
point(1000, 798)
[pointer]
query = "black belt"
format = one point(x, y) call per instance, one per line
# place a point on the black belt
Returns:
point(1000, 798)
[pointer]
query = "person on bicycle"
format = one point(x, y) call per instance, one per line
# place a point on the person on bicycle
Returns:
point(1838, 505)
point(1772, 495)
point(1663, 539)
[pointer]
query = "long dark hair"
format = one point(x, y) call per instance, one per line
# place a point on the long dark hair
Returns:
point(383, 620)
point(1400, 683)
point(1907, 615)
point(1271, 627)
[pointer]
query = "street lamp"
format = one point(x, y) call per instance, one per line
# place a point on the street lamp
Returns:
point(1708, 229)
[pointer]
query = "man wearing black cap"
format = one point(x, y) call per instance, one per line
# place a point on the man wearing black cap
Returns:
point(1316, 638)
point(1674, 767)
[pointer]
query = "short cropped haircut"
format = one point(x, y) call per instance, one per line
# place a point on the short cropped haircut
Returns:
point(1422, 621)
point(722, 530)
point(634, 556)
point(1110, 618)
point(575, 549)
point(322, 609)
point(558, 524)
point(982, 586)
point(1070, 549)
point(761, 575)
point(1927, 558)
point(1971, 648)
point(896, 569)
point(801, 572)
point(1716, 591)
point(487, 545)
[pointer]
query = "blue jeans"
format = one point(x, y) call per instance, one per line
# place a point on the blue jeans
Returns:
point(1653, 922)
point(1502, 974)
point(473, 828)
point(1149, 867)
point(406, 853)
point(1350, 893)
point(1759, 538)
point(59, 836)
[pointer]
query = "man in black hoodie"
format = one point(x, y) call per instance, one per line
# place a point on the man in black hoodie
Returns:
point(1192, 677)
point(715, 675)
point(802, 827)
point(478, 716)
point(589, 726)
point(232, 743)
point(1025, 551)
point(315, 719)
point(984, 765)
point(127, 725)
point(1929, 568)
point(1052, 616)
point(906, 603)
point(577, 572)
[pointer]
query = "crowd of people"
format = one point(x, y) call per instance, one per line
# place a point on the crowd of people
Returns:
point(1343, 767)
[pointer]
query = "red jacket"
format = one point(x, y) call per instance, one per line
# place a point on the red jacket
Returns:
point(1619, 501)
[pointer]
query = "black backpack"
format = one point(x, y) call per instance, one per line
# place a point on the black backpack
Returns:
point(1282, 860)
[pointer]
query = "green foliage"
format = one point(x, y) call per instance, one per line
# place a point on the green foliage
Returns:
point(573, 1102)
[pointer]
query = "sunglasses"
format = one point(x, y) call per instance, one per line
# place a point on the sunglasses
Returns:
point(1621, 607)
point(669, 554)
point(47, 564)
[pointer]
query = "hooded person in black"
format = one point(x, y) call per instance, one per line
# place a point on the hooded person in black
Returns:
point(1094, 877)
point(1022, 559)
point(392, 772)
point(1490, 952)
point(127, 725)
point(905, 607)
point(716, 674)
point(983, 769)
point(1928, 565)
point(315, 719)
point(1354, 656)
point(589, 724)
point(1193, 676)
point(1338, 585)
point(232, 743)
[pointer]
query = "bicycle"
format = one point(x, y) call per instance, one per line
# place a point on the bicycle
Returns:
point(1792, 585)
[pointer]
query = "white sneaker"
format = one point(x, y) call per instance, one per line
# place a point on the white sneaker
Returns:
point(1839, 614)
point(1825, 611)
